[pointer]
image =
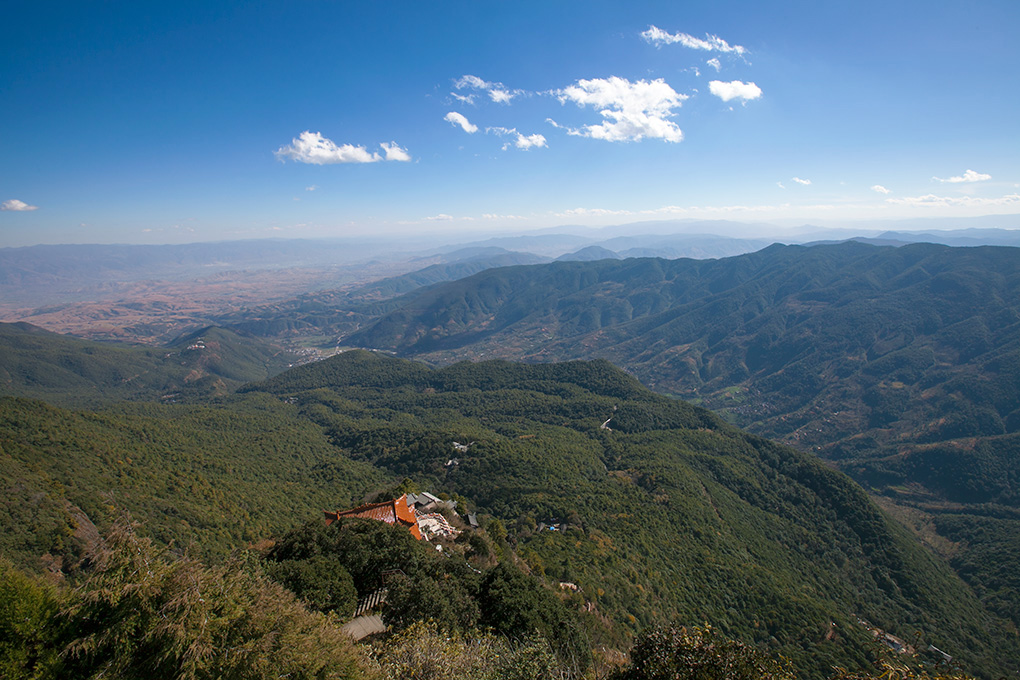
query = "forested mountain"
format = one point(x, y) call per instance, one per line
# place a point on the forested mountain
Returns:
point(839, 349)
point(902, 365)
point(71, 371)
point(665, 512)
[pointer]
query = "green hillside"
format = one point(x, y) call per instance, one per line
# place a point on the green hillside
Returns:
point(74, 372)
point(900, 365)
point(665, 514)
point(669, 513)
point(208, 478)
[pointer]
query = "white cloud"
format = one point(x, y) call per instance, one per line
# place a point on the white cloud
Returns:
point(441, 217)
point(798, 180)
point(312, 188)
point(931, 200)
point(530, 141)
point(632, 111)
point(734, 90)
point(17, 206)
point(522, 141)
point(711, 43)
point(395, 153)
point(501, 96)
point(471, 81)
point(313, 148)
point(880, 189)
point(458, 119)
point(969, 176)
point(714, 63)
point(780, 185)
point(497, 91)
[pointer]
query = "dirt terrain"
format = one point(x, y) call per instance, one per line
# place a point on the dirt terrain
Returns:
point(158, 311)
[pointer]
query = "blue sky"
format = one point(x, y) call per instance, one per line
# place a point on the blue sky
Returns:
point(174, 122)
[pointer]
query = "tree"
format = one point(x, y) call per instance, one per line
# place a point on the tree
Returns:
point(144, 614)
point(29, 626)
point(320, 581)
point(700, 654)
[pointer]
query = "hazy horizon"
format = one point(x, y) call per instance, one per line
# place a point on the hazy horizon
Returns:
point(779, 230)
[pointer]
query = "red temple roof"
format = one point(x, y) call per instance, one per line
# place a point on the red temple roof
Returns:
point(391, 512)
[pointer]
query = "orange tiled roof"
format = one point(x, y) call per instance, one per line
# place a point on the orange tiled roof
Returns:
point(391, 512)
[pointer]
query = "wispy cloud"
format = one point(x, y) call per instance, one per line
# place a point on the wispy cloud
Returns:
point(878, 188)
point(592, 212)
point(17, 206)
point(493, 216)
point(714, 63)
point(734, 89)
point(459, 119)
point(441, 217)
point(711, 43)
point(798, 180)
point(969, 176)
point(521, 141)
point(632, 111)
point(931, 200)
point(497, 92)
point(312, 188)
point(313, 148)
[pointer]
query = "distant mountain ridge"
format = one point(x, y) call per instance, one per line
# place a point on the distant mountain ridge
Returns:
point(900, 364)
point(699, 328)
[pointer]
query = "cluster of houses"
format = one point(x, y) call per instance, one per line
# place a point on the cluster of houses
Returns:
point(894, 643)
point(422, 515)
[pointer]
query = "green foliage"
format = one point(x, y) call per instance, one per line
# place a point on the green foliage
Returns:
point(515, 605)
point(213, 477)
point(143, 614)
point(72, 372)
point(432, 595)
point(321, 582)
point(29, 626)
point(424, 652)
point(890, 670)
point(423, 584)
point(666, 514)
point(363, 548)
point(669, 514)
point(987, 548)
point(700, 653)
